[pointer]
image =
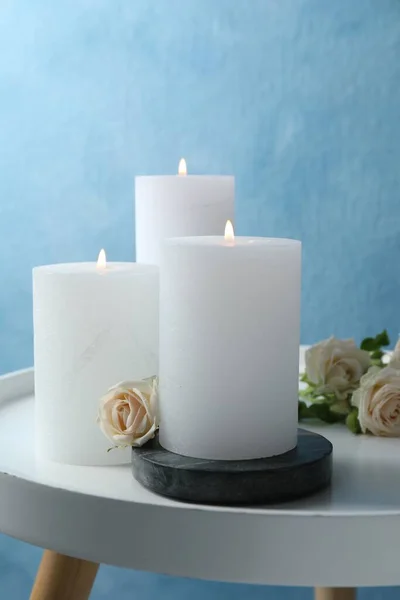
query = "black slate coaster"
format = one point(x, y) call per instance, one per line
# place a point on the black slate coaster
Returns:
point(289, 476)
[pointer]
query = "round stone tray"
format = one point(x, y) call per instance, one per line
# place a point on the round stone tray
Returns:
point(300, 472)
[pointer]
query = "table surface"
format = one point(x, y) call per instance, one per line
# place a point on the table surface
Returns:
point(348, 535)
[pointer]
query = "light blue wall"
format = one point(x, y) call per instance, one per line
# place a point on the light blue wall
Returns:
point(298, 98)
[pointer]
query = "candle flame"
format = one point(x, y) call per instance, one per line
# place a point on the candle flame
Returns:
point(229, 233)
point(102, 261)
point(182, 169)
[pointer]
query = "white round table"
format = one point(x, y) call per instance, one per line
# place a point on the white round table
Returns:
point(346, 536)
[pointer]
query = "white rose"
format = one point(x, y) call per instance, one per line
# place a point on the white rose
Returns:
point(395, 358)
point(128, 413)
point(336, 366)
point(378, 402)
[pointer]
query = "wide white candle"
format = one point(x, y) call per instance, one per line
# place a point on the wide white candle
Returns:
point(179, 205)
point(94, 326)
point(229, 346)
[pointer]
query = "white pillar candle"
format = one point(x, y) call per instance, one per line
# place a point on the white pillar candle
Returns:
point(229, 346)
point(179, 205)
point(93, 327)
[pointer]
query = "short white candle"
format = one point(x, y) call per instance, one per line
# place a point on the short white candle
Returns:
point(179, 205)
point(229, 346)
point(93, 327)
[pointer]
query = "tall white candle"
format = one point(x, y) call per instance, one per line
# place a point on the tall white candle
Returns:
point(179, 205)
point(94, 326)
point(229, 346)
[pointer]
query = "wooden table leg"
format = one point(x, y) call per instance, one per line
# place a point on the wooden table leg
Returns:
point(335, 593)
point(63, 578)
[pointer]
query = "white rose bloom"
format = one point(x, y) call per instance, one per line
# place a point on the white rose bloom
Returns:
point(336, 366)
point(378, 402)
point(395, 358)
point(128, 413)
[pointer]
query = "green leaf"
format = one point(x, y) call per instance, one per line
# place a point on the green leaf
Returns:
point(369, 344)
point(352, 421)
point(383, 338)
point(302, 410)
point(373, 344)
point(322, 411)
point(377, 354)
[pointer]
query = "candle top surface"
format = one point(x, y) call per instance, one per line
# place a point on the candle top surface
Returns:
point(185, 177)
point(237, 242)
point(92, 268)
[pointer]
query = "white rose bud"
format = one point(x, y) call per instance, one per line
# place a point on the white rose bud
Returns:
point(336, 366)
point(128, 413)
point(378, 402)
